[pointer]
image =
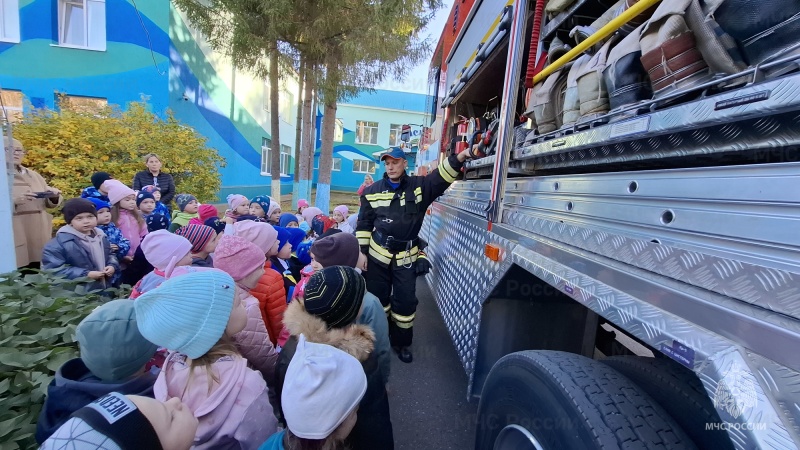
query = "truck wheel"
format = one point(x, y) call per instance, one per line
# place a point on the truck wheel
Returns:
point(563, 400)
point(679, 392)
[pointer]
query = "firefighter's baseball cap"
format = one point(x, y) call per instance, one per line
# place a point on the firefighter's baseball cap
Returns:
point(394, 153)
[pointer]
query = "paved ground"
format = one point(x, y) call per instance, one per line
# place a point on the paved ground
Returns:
point(428, 397)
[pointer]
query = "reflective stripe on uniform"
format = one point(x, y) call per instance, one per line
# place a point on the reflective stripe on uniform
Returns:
point(380, 199)
point(387, 309)
point(363, 237)
point(403, 321)
point(448, 172)
point(385, 256)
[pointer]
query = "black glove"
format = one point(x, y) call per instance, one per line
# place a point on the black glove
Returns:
point(423, 266)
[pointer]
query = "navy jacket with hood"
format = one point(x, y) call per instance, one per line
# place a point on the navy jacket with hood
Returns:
point(74, 387)
point(71, 259)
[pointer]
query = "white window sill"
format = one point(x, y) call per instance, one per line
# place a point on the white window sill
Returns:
point(267, 174)
point(78, 47)
point(366, 143)
point(9, 41)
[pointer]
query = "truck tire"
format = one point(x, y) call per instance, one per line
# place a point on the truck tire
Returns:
point(567, 401)
point(679, 392)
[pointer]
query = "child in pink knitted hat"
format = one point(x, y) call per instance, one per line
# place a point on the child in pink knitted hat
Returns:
point(164, 251)
point(238, 205)
point(244, 262)
point(340, 214)
point(125, 215)
point(205, 212)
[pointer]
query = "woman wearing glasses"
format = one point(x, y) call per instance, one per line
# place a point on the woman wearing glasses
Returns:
point(33, 226)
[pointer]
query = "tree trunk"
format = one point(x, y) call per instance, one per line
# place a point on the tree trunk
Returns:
point(323, 198)
point(275, 143)
point(298, 134)
point(312, 150)
point(307, 154)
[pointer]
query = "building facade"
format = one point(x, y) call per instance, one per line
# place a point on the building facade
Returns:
point(366, 126)
point(100, 52)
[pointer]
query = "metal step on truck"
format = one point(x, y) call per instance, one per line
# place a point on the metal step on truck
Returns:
point(620, 266)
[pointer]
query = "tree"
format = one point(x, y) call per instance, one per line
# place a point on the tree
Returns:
point(275, 137)
point(67, 147)
point(298, 137)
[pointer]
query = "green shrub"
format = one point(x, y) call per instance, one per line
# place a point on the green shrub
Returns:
point(38, 316)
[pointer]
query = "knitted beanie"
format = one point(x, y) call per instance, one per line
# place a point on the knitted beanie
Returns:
point(198, 235)
point(296, 236)
point(302, 202)
point(215, 223)
point(117, 191)
point(184, 199)
point(206, 211)
point(188, 313)
point(238, 257)
point(334, 294)
point(321, 223)
point(234, 200)
point(156, 222)
point(142, 196)
point(311, 212)
point(263, 201)
point(330, 232)
point(163, 250)
point(287, 218)
point(323, 387)
point(340, 249)
point(98, 178)
point(263, 235)
point(111, 422)
point(75, 206)
point(111, 345)
point(343, 210)
point(273, 206)
point(150, 189)
point(283, 236)
point(99, 204)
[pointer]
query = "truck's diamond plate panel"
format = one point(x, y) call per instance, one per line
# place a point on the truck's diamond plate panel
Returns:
point(462, 276)
point(773, 289)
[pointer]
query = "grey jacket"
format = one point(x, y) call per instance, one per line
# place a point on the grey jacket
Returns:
point(70, 257)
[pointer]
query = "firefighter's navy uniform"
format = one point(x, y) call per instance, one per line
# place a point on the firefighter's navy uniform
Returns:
point(388, 226)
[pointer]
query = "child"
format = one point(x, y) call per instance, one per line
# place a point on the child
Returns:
point(215, 223)
point(302, 204)
point(96, 190)
point(321, 224)
point(340, 217)
point(244, 261)
point(237, 206)
point(204, 241)
point(269, 290)
point(140, 267)
point(125, 215)
point(353, 221)
point(327, 315)
point(187, 210)
point(259, 207)
point(164, 251)
point(126, 422)
point(310, 212)
point(280, 262)
point(80, 249)
point(112, 358)
point(119, 245)
point(146, 203)
point(197, 315)
point(274, 213)
point(288, 220)
point(160, 207)
point(319, 378)
point(205, 212)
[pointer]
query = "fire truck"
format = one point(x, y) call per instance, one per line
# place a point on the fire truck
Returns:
point(619, 266)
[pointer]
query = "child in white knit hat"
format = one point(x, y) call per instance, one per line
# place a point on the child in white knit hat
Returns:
point(196, 313)
point(320, 399)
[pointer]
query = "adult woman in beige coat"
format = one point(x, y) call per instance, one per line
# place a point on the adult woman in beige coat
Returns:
point(33, 226)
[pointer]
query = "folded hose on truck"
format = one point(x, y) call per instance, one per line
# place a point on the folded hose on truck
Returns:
point(534, 45)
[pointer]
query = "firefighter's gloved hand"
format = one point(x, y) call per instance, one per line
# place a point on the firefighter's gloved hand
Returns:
point(423, 266)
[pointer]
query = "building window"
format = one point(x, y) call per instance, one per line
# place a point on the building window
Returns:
point(394, 135)
point(80, 104)
point(286, 102)
point(363, 166)
point(266, 157)
point(82, 24)
point(11, 102)
point(286, 158)
point(366, 132)
point(9, 21)
point(337, 164)
point(338, 131)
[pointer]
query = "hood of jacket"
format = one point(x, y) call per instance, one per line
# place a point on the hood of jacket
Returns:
point(74, 387)
point(220, 409)
point(356, 340)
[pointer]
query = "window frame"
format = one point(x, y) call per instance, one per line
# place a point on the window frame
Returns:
point(90, 32)
point(9, 12)
point(267, 96)
point(338, 130)
point(370, 169)
point(334, 163)
point(362, 126)
point(396, 128)
point(11, 110)
point(266, 158)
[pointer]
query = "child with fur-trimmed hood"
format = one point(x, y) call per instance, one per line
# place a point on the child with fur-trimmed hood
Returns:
point(327, 315)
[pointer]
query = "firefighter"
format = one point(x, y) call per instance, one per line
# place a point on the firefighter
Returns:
point(392, 210)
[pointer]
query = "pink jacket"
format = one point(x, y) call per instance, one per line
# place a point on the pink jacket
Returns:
point(131, 230)
point(300, 288)
point(234, 413)
point(253, 342)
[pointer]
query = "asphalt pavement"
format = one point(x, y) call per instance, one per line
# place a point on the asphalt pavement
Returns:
point(428, 397)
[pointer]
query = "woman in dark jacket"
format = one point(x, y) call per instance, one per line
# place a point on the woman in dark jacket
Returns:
point(153, 176)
